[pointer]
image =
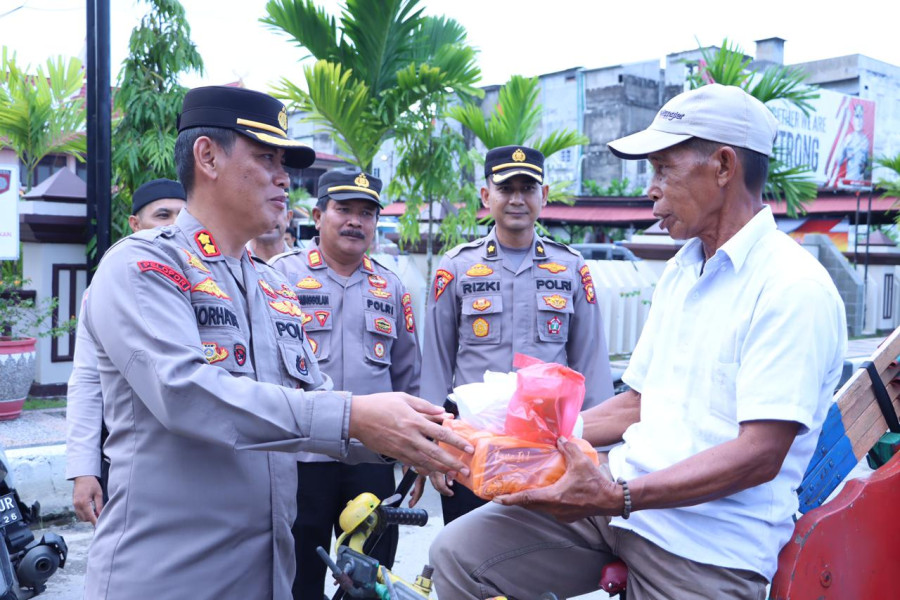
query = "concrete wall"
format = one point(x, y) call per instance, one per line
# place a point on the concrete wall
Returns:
point(848, 282)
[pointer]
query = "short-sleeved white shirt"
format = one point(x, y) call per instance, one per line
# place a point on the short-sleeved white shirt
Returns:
point(758, 332)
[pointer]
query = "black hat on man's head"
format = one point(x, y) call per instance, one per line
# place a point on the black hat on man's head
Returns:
point(258, 116)
point(507, 161)
point(155, 190)
point(350, 184)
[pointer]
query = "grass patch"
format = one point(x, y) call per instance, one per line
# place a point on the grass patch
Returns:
point(32, 403)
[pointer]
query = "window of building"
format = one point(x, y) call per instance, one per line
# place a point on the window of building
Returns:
point(566, 155)
point(44, 169)
point(376, 171)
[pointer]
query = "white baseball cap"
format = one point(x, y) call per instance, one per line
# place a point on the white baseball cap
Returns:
point(718, 113)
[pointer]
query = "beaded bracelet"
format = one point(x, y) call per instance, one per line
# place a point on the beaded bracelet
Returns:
point(626, 510)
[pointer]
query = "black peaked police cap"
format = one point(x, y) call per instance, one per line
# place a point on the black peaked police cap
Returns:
point(350, 184)
point(258, 116)
point(155, 190)
point(506, 161)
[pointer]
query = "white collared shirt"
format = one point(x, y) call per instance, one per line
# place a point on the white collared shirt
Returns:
point(758, 332)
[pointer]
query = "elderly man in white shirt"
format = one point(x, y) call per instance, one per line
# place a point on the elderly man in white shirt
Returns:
point(731, 381)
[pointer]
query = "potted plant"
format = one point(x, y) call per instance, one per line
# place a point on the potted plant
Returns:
point(22, 320)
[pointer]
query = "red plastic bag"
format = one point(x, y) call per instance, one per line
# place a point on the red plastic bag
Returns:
point(546, 403)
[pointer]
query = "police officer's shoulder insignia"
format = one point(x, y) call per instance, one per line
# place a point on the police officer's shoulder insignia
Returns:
point(552, 267)
point(481, 304)
point(491, 251)
point(314, 259)
point(377, 281)
point(206, 243)
point(383, 325)
point(240, 354)
point(267, 289)
point(322, 317)
point(479, 270)
point(195, 262)
point(286, 307)
point(309, 283)
point(539, 249)
point(367, 264)
point(585, 273)
point(480, 327)
point(378, 349)
point(380, 293)
point(555, 301)
point(151, 266)
point(214, 352)
point(208, 286)
point(441, 279)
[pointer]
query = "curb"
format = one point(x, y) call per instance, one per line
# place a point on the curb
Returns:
point(39, 474)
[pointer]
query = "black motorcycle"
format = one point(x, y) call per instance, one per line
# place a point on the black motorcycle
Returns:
point(25, 563)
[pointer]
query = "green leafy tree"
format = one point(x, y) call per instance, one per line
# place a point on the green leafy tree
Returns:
point(41, 113)
point(728, 66)
point(148, 101)
point(891, 186)
point(379, 61)
point(617, 188)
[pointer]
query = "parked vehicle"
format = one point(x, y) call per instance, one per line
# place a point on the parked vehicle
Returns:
point(604, 252)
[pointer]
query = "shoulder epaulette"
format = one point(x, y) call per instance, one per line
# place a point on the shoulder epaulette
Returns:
point(383, 264)
point(473, 244)
point(556, 244)
point(283, 254)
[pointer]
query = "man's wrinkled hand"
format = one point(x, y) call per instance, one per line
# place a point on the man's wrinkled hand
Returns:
point(87, 497)
point(584, 490)
point(408, 429)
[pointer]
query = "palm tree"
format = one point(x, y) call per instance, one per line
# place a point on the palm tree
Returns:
point(728, 66)
point(890, 187)
point(41, 114)
point(515, 119)
point(374, 65)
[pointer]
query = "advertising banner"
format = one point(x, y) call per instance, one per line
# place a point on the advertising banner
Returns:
point(836, 141)
point(9, 212)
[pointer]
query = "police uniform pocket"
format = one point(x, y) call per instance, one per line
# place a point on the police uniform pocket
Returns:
point(553, 313)
point(225, 349)
point(296, 362)
point(482, 319)
point(381, 331)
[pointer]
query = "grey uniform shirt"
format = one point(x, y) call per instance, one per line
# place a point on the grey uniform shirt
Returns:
point(197, 371)
point(84, 406)
point(483, 311)
point(360, 327)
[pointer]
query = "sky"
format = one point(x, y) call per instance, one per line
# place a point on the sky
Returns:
point(524, 37)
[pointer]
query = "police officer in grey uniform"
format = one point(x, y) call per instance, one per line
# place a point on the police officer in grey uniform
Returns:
point(510, 292)
point(358, 318)
point(203, 383)
point(153, 204)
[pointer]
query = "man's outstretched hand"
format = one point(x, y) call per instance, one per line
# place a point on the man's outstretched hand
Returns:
point(408, 429)
point(584, 490)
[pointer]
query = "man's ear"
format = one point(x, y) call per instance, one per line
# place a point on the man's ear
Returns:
point(727, 165)
point(317, 215)
point(485, 193)
point(134, 223)
point(206, 154)
point(545, 194)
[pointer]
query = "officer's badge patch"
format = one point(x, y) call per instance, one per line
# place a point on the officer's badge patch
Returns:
point(479, 270)
point(286, 307)
point(367, 264)
point(286, 292)
point(309, 283)
point(301, 365)
point(383, 325)
point(406, 301)
point(214, 353)
point(322, 317)
point(166, 271)
point(491, 250)
point(552, 267)
point(282, 119)
point(589, 292)
point(314, 345)
point(555, 301)
point(585, 274)
point(518, 155)
point(377, 281)
point(361, 180)
point(305, 318)
point(267, 289)
point(314, 258)
point(195, 262)
point(441, 279)
point(206, 243)
point(208, 286)
point(481, 304)
point(410, 322)
point(379, 293)
point(378, 349)
point(480, 327)
point(539, 249)
point(554, 325)
point(240, 354)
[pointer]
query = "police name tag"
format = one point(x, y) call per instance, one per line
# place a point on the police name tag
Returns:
point(9, 512)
